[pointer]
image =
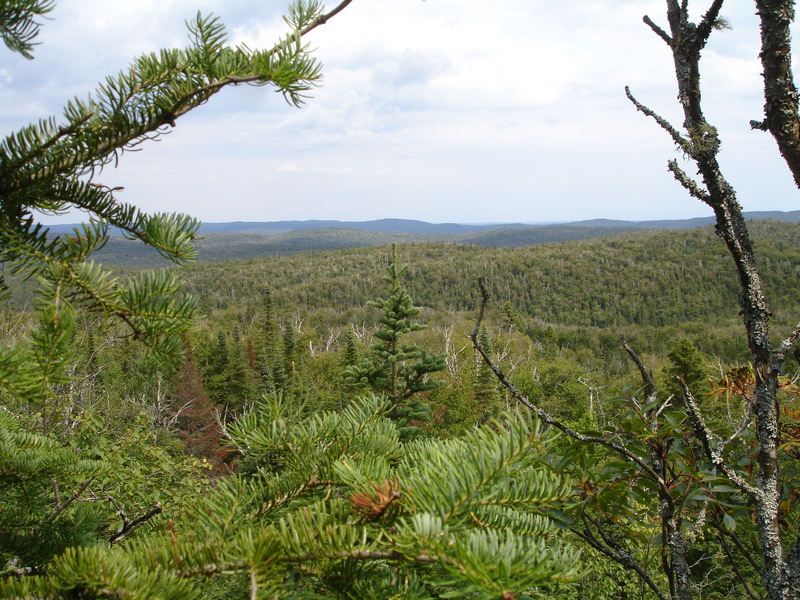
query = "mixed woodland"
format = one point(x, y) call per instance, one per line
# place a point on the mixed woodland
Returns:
point(298, 418)
point(280, 336)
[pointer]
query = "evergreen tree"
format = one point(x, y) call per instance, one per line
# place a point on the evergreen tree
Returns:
point(270, 328)
point(350, 349)
point(242, 386)
point(217, 370)
point(398, 370)
point(53, 166)
point(511, 318)
point(292, 385)
point(688, 365)
point(486, 386)
point(58, 497)
point(196, 416)
point(349, 388)
point(338, 508)
point(271, 371)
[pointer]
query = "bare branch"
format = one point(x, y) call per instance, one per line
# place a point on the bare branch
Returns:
point(780, 93)
point(543, 415)
point(688, 183)
point(659, 32)
point(744, 423)
point(619, 556)
point(735, 567)
point(712, 447)
point(679, 140)
point(128, 527)
point(779, 355)
point(75, 495)
point(647, 376)
point(709, 21)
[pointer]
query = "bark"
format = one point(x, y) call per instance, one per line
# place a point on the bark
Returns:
point(674, 555)
point(701, 143)
point(780, 93)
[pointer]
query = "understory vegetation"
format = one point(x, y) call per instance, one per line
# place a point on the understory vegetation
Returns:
point(270, 362)
point(602, 418)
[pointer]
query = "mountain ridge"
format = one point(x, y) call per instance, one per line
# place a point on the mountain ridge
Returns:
point(391, 225)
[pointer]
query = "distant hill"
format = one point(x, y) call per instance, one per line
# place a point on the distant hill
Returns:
point(653, 285)
point(221, 247)
point(234, 241)
point(650, 278)
point(410, 226)
point(756, 215)
point(381, 225)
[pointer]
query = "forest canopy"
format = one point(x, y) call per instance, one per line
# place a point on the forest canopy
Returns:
point(598, 418)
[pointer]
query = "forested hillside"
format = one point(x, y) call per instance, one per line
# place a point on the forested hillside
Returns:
point(655, 287)
point(497, 414)
point(649, 279)
point(300, 330)
point(219, 247)
point(558, 308)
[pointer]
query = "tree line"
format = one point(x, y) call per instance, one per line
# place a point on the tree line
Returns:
point(146, 453)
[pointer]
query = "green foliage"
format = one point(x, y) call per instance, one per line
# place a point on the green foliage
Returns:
point(57, 496)
point(51, 167)
point(341, 506)
point(689, 366)
point(486, 386)
point(35, 525)
point(330, 503)
point(18, 25)
point(655, 287)
point(398, 370)
point(620, 511)
point(556, 386)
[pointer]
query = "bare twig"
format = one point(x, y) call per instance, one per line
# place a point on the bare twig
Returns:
point(546, 417)
point(712, 447)
point(679, 140)
point(619, 556)
point(75, 495)
point(128, 527)
point(659, 32)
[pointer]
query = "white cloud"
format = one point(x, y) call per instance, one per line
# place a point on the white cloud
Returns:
point(441, 110)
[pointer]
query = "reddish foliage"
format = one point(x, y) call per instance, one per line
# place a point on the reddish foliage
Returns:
point(196, 418)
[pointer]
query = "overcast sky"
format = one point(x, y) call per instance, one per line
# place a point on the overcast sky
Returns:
point(445, 111)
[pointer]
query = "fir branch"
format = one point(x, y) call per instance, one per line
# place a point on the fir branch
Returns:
point(18, 26)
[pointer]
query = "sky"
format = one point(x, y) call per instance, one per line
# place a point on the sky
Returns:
point(441, 110)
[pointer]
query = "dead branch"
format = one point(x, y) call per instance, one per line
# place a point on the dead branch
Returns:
point(546, 417)
point(128, 527)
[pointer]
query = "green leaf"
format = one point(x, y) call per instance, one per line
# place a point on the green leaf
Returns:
point(729, 523)
point(723, 489)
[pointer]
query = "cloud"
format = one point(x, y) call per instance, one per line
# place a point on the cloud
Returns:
point(509, 110)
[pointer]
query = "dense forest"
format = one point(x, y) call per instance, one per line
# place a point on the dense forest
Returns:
point(243, 241)
point(297, 329)
point(503, 415)
point(564, 303)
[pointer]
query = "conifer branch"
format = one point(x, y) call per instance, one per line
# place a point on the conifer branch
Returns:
point(322, 19)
